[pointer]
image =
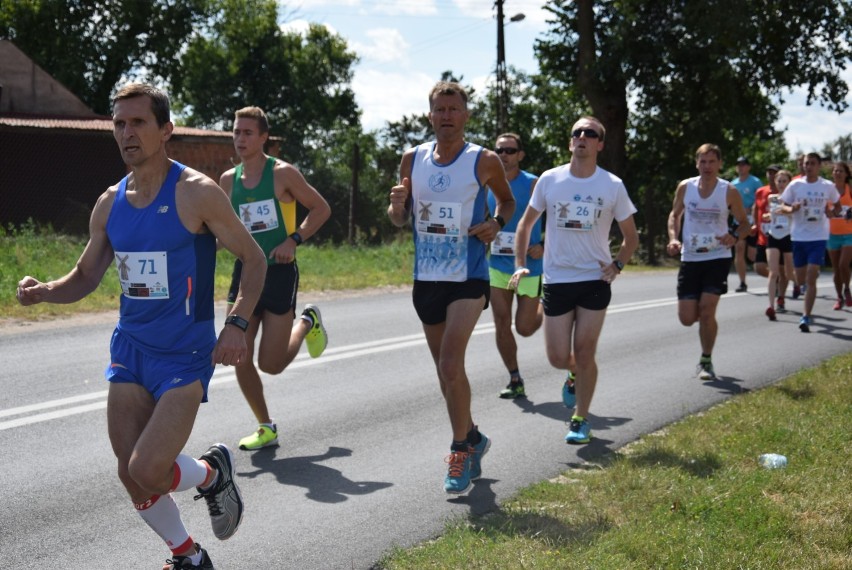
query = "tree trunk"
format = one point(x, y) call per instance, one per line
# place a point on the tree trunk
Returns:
point(606, 96)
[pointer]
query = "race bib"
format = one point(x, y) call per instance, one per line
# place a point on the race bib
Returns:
point(576, 216)
point(503, 244)
point(812, 213)
point(259, 216)
point(781, 223)
point(702, 243)
point(143, 275)
point(439, 218)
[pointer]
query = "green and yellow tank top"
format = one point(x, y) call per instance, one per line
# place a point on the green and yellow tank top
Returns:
point(267, 219)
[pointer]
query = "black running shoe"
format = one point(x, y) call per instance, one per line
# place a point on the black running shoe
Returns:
point(185, 562)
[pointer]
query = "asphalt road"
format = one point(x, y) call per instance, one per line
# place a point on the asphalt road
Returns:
point(364, 429)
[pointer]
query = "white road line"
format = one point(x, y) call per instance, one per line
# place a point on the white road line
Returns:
point(226, 374)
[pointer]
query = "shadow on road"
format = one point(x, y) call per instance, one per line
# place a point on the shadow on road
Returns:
point(323, 484)
point(481, 499)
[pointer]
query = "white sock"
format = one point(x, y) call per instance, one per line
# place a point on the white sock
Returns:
point(162, 515)
point(189, 473)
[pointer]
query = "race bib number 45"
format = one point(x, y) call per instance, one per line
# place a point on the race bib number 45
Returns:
point(143, 275)
point(259, 216)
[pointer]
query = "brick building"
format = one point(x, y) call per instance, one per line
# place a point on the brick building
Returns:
point(57, 156)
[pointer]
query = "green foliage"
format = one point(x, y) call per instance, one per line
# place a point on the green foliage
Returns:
point(89, 45)
point(692, 496)
point(242, 57)
point(693, 79)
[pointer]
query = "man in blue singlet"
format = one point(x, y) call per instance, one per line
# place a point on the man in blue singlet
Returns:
point(442, 192)
point(159, 225)
point(529, 314)
point(264, 192)
point(747, 185)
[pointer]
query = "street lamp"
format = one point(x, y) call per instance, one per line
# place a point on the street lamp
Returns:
point(502, 94)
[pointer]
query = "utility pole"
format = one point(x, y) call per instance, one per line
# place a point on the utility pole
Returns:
point(502, 99)
point(502, 90)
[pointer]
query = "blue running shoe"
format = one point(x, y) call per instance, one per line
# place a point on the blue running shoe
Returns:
point(579, 432)
point(457, 481)
point(476, 453)
point(805, 324)
point(569, 398)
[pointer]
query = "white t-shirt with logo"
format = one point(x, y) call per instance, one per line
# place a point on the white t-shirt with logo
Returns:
point(580, 212)
point(810, 222)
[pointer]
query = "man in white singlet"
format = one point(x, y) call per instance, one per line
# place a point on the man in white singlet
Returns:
point(442, 192)
point(700, 210)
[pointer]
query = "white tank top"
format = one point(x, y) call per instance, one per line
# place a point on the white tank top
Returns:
point(704, 220)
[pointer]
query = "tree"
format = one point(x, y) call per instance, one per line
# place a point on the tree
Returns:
point(692, 76)
point(242, 57)
point(90, 45)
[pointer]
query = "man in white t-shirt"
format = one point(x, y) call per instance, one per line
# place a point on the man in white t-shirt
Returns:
point(581, 201)
point(811, 199)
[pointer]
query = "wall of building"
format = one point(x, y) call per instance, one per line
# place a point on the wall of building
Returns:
point(29, 89)
point(55, 176)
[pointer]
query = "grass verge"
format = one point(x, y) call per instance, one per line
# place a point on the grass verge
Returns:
point(690, 496)
point(46, 255)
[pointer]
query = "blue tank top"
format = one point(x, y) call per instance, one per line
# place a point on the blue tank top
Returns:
point(447, 200)
point(166, 274)
point(502, 256)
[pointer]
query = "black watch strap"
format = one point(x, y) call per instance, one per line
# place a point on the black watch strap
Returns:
point(237, 321)
point(500, 221)
point(296, 237)
point(618, 265)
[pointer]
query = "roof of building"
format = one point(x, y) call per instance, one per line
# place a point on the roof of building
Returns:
point(93, 124)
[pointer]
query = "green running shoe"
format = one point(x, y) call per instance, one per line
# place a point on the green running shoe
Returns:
point(705, 369)
point(265, 436)
point(514, 389)
point(317, 338)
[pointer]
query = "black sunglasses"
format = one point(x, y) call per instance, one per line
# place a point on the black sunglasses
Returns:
point(590, 133)
point(506, 149)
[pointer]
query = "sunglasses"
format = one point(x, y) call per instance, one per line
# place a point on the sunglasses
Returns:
point(507, 150)
point(590, 133)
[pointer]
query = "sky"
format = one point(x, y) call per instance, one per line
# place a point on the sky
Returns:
point(405, 45)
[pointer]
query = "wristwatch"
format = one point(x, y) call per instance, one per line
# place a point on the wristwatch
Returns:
point(500, 221)
point(296, 237)
point(237, 321)
point(618, 265)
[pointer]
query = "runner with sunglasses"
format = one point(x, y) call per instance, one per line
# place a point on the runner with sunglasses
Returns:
point(581, 201)
point(529, 314)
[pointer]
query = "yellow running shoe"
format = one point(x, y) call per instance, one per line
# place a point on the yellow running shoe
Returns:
point(266, 435)
point(317, 338)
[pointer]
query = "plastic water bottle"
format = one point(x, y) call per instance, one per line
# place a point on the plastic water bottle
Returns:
point(772, 461)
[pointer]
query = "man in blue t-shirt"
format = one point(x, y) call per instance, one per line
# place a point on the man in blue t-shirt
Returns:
point(747, 186)
point(529, 313)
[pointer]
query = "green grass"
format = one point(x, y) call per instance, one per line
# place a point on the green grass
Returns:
point(46, 255)
point(691, 496)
